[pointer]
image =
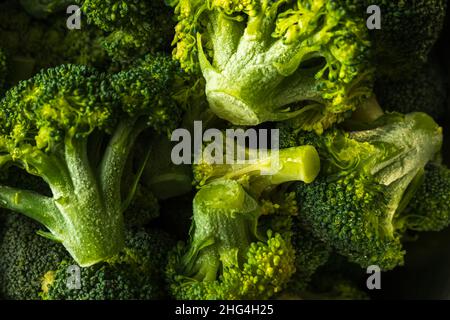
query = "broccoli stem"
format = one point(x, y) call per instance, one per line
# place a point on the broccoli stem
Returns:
point(225, 225)
point(29, 203)
point(115, 158)
point(101, 233)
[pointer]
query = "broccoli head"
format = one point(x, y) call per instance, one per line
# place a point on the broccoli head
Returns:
point(424, 90)
point(35, 268)
point(133, 27)
point(409, 30)
point(137, 273)
point(25, 257)
point(50, 124)
point(310, 254)
point(275, 60)
point(32, 45)
point(367, 178)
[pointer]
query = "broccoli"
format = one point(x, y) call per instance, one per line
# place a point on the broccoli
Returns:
point(137, 273)
point(46, 126)
point(429, 209)
point(425, 90)
point(367, 179)
point(25, 256)
point(409, 30)
point(32, 45)
point(133, 28)
point(233, 253)
point(276, 60)
point(226, 257)
point(44, 8)
point(34, 268)
point(310, 254)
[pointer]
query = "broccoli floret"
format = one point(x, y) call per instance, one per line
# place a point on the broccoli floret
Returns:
point(25, 256)
point(44, 8)
point(134, 27)
point(367, 179)
point(429, 209)
point(33, 45)
point(310, 254)
point(424, 90)
point(409, 29)
point(45, 128)
point(136, 273)
point(275, 60)
point(226, 257)
point(33, 267)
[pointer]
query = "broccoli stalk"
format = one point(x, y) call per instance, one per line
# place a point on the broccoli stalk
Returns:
point(46, 128)
point(275, 60)
point(291, 164)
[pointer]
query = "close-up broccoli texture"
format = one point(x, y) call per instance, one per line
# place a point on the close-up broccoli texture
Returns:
point(224, 150)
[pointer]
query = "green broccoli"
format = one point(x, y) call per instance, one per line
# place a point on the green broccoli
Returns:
point(409, 30)
point(226, 257)
point(276, 60)
point(32, 45)
point(34, 268)
point(310, 254)
point(367, 179)
point(424, 90)
point(46, 126)
point(25, 257)
point(137, 273)
point(44, 8)
point(133, 28)
point(429, 209)
point(229, 255)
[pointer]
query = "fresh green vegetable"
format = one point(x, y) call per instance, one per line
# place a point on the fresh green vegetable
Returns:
point(35, 268)
point(46, 128)
point(226, 257)
point(276, 60)
point(367, 179)
point(133, 28)
point(424, 90)
point(409, 30)
point(429, 209)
